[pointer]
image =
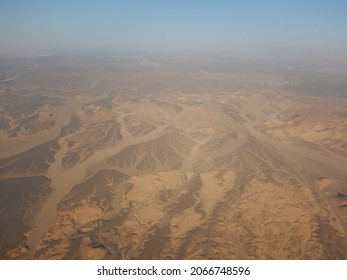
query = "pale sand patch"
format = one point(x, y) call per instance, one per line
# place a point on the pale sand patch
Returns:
point(184, 222)
point(161, 180)
point(214, 188)
point(88, 228)
point(149, 214)
point(324, 184)
point(131, 222)
point(87, 213)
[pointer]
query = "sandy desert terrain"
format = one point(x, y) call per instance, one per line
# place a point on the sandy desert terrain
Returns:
point(170, 158)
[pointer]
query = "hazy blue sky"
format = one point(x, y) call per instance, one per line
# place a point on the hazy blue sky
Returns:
point(175, 24)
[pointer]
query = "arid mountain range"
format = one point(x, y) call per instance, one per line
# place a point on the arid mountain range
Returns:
point(175, 156)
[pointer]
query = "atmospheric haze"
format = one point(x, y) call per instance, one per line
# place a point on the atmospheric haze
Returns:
point(174, 25)
point(173, 130)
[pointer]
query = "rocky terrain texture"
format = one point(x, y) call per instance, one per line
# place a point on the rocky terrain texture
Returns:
point(123, 161)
